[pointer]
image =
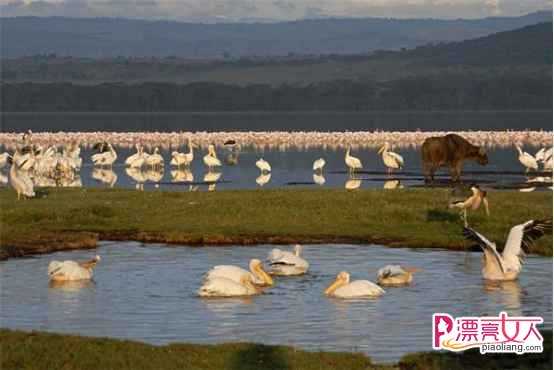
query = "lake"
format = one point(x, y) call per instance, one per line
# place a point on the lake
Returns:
point(148, 293)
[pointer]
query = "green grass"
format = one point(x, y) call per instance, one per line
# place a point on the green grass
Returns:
point(38, 350)
point(60, 218)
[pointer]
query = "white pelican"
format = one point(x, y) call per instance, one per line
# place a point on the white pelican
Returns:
point(343, 288)
point(352, 184)
point(263, 165)
point(352, 163)
point(4, 159)
point(71, 270)
point(210, 159)
point(473, 202)
point(223, 287)
point(182, 159)
point(539, 156)
point(263, 179)
point(24, 160)
point(395, 275)
point(136, 160)
point(390, 159)
point(21, 182)
point(257, 274)
point(527, 160)
point(106, 157)
point(154, 160)
point(287, 263)
point(319, 179)
point(318, 165)
point(507, 266)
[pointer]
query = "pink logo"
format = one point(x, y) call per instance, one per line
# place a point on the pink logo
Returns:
point(504, 334)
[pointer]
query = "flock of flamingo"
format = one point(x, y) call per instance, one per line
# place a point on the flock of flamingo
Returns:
point(46, 159)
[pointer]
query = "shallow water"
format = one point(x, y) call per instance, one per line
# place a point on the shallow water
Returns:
point(147, 293)
point(290, 168)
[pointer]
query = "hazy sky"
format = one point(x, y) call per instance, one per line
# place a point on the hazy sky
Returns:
point(274, 10)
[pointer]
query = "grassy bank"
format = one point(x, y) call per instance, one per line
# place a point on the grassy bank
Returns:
point(76, 218)
point(35, 350)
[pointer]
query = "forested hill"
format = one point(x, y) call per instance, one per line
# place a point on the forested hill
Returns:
point(112, 37)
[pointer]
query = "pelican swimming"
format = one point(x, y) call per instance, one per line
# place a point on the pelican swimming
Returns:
point(136, 160)
point(257, 274)
point(154, 160)
point(210, 159)
point(318, 165)
point(352, 163)
point(71, 270)
point(263, 165)
point(106, 155)
point(223, 287)
point(287, 263)
point(395, 275)
point(473, 202)
point(21, 182)
point(527, 160)
point(508, 265)
point(343, 288)
point(391, 160)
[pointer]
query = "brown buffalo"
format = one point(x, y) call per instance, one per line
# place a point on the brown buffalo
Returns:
point(450, 150)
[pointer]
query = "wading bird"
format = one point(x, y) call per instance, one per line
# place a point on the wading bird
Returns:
point(287, 263)
point(473, 202)
point(390, 159)
point(106, 155)
point(154, 160)
point(343, 288)
point(395, 275)
point(352, 163)
point(318, 165)
point(21, 182)
point(263, 165)
point(183, 159)
point(508, 265)
point(210, 159)
point(136, 160)
point(71, 270)
point(257, 274)
point(527, 160)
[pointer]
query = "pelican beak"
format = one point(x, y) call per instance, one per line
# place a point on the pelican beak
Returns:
point(265, 276)
point(334, 286)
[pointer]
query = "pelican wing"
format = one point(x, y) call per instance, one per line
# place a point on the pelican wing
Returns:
point(489, 248)
point(390, 270)
point(524, 235)
point(398, 158)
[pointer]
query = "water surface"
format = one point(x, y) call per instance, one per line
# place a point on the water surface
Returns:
point(148, 293)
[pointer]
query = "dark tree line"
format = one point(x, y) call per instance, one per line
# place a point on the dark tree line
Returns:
point(445, 92)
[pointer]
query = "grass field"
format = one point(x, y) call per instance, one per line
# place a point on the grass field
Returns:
point(75, 218)
point(38, 350)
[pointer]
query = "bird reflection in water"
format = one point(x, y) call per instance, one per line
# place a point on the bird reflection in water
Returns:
point(393, 184)
point(319, 179)
point(508, 293)
point(182, 175)
point(263, 179)
point(105, 176)
point(138, 176)
point(71, 286)
point(353, 184)
point(211, 178)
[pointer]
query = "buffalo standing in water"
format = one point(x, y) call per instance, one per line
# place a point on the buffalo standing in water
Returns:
point(450, 150)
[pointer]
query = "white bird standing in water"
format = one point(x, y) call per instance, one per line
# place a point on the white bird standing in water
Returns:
point(343, 288)
point(391, 160)
point(508, 265)
point(107, 155)
point(288, 263)
point(318, 165)
point(210, 159)
point(136, 160)
point(154, 160)
point(263, 165)
point(71, 270)
point(352, 163)
point(527, 160)
point(182, 159)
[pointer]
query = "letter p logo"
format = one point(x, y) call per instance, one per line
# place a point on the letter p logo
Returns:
point(442, 324)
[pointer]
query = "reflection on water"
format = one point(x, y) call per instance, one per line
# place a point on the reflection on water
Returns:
point(263, 179)
point(148, 293)
point(352, 184)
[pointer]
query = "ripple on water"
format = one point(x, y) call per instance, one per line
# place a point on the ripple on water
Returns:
point(149, 294)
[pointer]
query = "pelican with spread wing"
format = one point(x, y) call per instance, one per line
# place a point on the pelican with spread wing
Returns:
point(288, 263)
point(508, 265)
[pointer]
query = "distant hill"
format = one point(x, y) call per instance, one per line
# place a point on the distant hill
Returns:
point(525, 51)
point(109, 37)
